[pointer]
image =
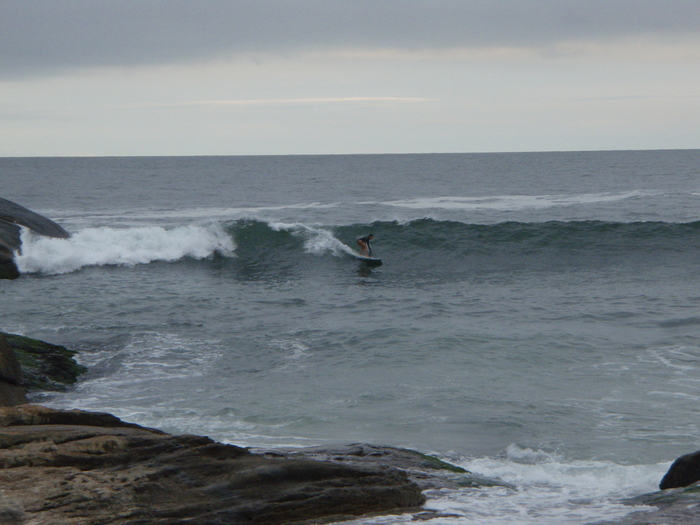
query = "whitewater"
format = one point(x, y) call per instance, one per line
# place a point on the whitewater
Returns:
point(536, 318)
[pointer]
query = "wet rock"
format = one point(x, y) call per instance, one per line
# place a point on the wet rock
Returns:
point(9, 243)
point(10, 370)
point(11, 391)
point(44, 366)
point(8, 268)
point(76, 467)
point(426, 471)
point(11, 395)
point(12, 216)
point(28, 415)
point(13, 213)
point(683, 472)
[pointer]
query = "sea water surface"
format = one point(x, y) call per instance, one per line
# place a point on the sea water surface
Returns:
point(536, 318)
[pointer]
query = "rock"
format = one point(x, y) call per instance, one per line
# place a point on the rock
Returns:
point(8, 268)
point(426, 471)
point(28, 415)
point(12, 216)
point(11, 391)
point(11, 395)
point(44, 366)
point(9, 239)
point(13, 213)
point(76, 467)
point(10, 371)
point(683, 472)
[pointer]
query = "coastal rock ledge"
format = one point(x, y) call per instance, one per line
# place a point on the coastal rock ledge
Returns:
point(77, 467)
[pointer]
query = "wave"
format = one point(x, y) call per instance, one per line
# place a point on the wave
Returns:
point(425, 242)
point(446, 250)
point(551, 242)
point(434, 234)
point(123, 247)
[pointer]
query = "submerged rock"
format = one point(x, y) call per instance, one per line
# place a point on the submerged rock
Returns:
point(44, 366)
point(12, 216)
point(76, 467)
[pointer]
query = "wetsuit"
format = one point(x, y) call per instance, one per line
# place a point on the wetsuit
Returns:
point(366, 241)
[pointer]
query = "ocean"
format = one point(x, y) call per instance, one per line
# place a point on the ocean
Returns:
point(536, 317)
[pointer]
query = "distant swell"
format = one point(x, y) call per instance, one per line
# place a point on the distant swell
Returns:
point(515, 202)
point(124, 247)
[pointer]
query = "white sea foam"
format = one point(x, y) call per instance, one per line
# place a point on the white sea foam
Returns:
point(293, 348)
point(151, 356)
point(512, 202)
point(295, 353)
point(549, 490)
point(125, 247)
point(136, 373)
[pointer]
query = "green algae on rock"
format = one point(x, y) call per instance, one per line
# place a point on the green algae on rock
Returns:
point(44, 366)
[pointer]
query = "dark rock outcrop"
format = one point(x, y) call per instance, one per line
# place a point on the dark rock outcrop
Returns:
point(683, 472)
point(11, 391)
point(12, 216)
point(426, 471)
point(44, 366)
point(75, 467)
point(8, 268)
point(11, 212)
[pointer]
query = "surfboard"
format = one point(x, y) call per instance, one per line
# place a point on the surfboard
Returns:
point(369, 261)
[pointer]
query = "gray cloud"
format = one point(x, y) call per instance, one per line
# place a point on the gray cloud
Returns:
point(50, 36)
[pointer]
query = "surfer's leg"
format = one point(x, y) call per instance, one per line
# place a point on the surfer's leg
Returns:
point(363, 247)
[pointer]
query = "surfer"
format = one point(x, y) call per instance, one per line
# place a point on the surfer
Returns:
point(365, 248)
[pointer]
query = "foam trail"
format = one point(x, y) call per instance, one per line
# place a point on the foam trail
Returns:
point(317, 241)
point(123, 247)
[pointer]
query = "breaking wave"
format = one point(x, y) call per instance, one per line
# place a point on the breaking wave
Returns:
point(121, 247)
point(440, 246)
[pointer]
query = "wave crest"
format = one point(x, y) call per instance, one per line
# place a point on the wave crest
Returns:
point(120, 247)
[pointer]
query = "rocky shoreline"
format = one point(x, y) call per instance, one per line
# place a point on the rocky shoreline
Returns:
point(79, 467)
point(90, 468)
point(71, 466)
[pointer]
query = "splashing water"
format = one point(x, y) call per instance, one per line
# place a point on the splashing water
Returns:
point(124, 247)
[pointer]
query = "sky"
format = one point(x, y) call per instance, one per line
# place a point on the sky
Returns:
point(265, 77)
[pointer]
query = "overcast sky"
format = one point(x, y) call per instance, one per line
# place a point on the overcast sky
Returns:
point(204, 77)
